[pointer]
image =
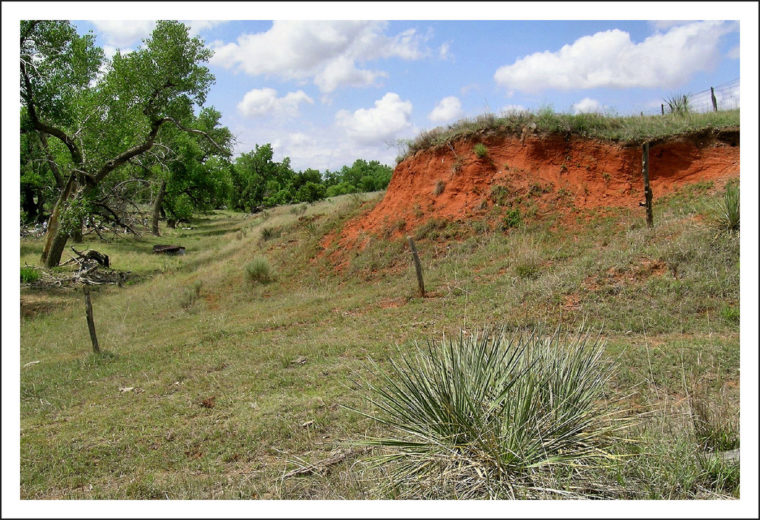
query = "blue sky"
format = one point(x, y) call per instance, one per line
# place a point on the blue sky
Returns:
point(326, 92)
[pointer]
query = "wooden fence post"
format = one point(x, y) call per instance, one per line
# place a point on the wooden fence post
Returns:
point(417, 266)
point(647, 188)
point(90, 321)
point(714, 100)
point(662, 108)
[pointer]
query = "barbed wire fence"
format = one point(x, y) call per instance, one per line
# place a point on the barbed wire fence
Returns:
point(720, 97)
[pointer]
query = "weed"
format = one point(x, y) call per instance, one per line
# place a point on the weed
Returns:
point(730, 313)
point(439, 187)
point(512, 219)
point(29, 274)
point(480, 151)
point(500, 194)
point(679, 104)
point(259, 270)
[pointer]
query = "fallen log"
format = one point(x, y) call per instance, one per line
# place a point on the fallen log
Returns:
point(169, 250)
point(91, 254)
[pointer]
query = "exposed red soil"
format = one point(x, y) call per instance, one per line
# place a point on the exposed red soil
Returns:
point(554, 174)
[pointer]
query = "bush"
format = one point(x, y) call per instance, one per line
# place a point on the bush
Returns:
point(259, 270)
point(190, 294)
point(269, 233)
point(29, 274)
point(512, 219)
point(480, 150)
point(486, 414)
point(439, 187)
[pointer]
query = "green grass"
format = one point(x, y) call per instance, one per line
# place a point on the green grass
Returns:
point(29, 274)
point(277, 356)
point(632, 129)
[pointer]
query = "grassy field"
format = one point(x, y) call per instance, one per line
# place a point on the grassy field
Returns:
point(218, 383)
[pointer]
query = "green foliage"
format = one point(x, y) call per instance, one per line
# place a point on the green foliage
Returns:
point(190, 294)
point(269, 233)
point(29, 274)
point(480, 150)
point(512, 219)
point(259, 270)
point(486, 413)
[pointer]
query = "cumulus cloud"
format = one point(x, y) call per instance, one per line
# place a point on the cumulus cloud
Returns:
point(197, 26)
point(611, 59)
point(124, 33)
point(264, 102)
point(326, 52)
point(389, 118)
point(587, 105)
point(447, 109)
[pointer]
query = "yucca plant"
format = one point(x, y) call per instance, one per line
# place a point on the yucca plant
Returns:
point(491, 414)
point(728, 208)
point(679, 104)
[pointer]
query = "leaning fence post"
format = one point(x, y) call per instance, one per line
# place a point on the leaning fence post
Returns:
point(662, 108)
point(647, 188)
point(714, 100)
point(417, 266)
point(90, 321)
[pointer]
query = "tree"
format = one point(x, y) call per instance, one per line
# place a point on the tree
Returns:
point(104, 117)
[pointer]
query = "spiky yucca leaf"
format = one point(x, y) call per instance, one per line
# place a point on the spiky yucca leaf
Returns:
point(486, 412)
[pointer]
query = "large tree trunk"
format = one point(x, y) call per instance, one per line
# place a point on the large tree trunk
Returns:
point(55, 239)
point(157, 208)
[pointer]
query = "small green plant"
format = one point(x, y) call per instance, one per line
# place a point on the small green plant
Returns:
point(500, 194)
point(728, 209)
point(29, 274)
point(512, 219)
point(259, 270)
point(491, 414)
point(730, 314)
point(480, 150)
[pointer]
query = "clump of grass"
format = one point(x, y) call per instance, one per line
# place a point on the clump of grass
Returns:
point(259, 270)
point(190, 294)
point(29, 274)
point(728, 208)
point(492, 414)
point(268, 233)
point(439, 187)
point(716, 425)
point(480, 150)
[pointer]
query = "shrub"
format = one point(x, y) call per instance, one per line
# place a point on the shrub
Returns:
point(269, 233)
point(512, 219)
point(259, 270)
point(487, 414)
point(679, 104)
point(439, 187)
point(480, 150)
point(29, 274)
point(728, 208)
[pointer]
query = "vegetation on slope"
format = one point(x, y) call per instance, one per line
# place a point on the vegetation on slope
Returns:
point(220, 389)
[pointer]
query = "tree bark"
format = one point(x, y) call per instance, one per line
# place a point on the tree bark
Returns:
point(157, 208)
point(55, 239)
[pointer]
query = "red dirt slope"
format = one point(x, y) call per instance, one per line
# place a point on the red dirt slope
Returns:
point(451, 182)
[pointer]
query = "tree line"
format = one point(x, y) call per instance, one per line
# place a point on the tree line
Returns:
point(101, 137)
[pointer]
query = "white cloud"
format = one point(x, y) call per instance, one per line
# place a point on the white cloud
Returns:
point(666, 24)
point(733, 53)
point(381, 124)
point(326, 52)
point(611, 59)
point(587, 105)
point(264, 102)
point(197, 26)
point(444, 52)
point(447, 109)
point(124, 33)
